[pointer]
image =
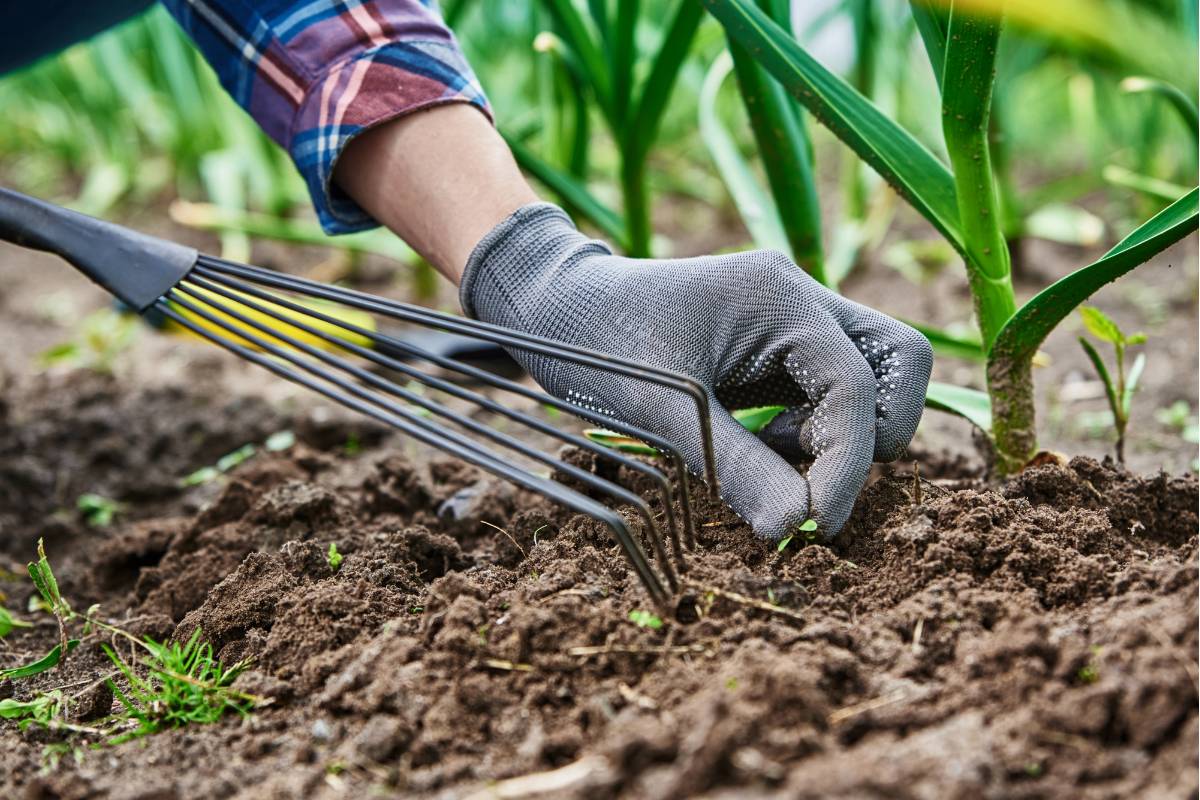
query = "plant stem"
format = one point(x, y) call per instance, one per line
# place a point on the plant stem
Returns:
point(1010, 388)
point(637, 209)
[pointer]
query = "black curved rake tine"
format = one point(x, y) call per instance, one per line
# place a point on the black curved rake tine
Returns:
point(422, 430)
point(379, 356)
point(496, 335)
point(384, 385)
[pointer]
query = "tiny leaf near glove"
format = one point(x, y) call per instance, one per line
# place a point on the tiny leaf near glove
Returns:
point(752, 327)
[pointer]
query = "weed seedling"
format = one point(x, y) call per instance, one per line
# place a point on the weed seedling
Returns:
point(183, 684)
point(101, 337)
point(644, 619)
point(1118, 388)
point(808, 528)
point(333, 558)
point(97, 511)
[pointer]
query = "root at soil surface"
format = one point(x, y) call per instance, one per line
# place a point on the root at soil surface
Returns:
point(1037, 639)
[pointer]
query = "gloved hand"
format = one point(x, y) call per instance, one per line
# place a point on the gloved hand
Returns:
point(752, 327)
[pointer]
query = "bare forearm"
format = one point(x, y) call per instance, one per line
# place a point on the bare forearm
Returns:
point(439, 178)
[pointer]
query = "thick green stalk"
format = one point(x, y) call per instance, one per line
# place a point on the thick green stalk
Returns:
point(966, 102)
point(967, 81)
point(637, 207)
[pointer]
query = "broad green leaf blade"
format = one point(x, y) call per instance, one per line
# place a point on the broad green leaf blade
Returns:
point(573, 193)
point(1026, 330)
point(784, 147)
point(932, 24)
point(619, 441)
point(1180, 101)
point(48, 661)
point(648, 110)
point(890, 150)
point(1100, 325)
point(752, 202)
point(1110, 389)
point(949, 344)
point(1132, 381)
point(970, 404)
point(755, 419)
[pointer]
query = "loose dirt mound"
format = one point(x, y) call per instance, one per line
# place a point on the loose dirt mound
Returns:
point(1033, 640)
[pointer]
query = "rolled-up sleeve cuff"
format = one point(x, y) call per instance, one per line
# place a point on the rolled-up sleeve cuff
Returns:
point(375, 86)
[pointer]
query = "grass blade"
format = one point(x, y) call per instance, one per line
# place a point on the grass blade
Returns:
point(1025, 330)
point(577, 36)
point(890, 150)
point(971, 404)
point(657, 90)
point(949, 344)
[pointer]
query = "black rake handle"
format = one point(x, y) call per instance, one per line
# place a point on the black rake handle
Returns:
point(132, 266)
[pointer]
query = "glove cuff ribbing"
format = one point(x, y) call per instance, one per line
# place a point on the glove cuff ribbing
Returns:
point(534, 236)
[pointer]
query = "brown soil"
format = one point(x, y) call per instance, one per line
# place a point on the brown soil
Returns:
point(1036, 639)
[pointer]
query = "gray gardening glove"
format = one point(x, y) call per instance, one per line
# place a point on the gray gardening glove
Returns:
point(752, 327)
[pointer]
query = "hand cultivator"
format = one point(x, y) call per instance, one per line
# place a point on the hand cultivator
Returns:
point(301, 331)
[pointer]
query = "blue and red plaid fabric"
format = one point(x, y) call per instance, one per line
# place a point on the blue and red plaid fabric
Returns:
point(316, 73)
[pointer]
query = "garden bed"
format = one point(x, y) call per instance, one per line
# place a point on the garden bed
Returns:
point(1036, 638)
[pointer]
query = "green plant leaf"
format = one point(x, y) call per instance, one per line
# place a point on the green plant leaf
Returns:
point(645, 619)
point(971, 404)
point(44, 580)
point(1147, 185)
point(786, 152)
point(949, 344)
point(647, 112)
point(572, 192)
point(1101, 325)
point(890, 150)
point(575, 33)
point(1027, 329)
point(8, 622)
point(755, 419)
point(48, 661)
point(783, 543)
point(1132, 382)
point(619, 441)
point(1110, 388)
point(754, 205)
point(933, 24)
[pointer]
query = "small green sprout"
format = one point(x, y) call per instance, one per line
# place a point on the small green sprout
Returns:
point(1088, 674)
point(1120, 390)
point(279, 441)
point(731, 683)
point(1178, 416)
point(353, 445)
point(333, 558)
point(644, 619)
point(98, 511)
point(101, 337)
point(43, 709)
point(808, 528)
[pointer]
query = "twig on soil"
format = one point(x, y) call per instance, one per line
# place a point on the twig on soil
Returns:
point(918, 629)
point(560, 780)
point(604, 649)
point(849, 712)
point(511, 666)
point(916, 493)
point(742, 599)
point(509, 535)
point(635, 697)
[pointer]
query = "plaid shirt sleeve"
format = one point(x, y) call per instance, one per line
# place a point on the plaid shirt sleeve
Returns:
point(316, 73)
